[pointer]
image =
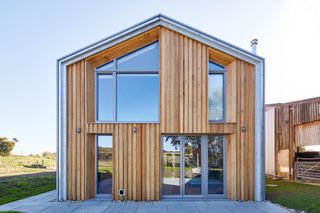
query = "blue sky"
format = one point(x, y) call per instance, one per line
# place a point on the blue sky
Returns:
point(33, 34)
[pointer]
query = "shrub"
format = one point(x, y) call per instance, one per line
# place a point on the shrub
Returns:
point(48, 154)
point(6, 146)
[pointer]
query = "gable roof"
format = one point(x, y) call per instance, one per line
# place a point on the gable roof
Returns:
point(165, 21)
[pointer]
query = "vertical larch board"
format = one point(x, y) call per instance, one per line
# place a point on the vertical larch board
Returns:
point(80, 145)
point(183, 80)
point(75, 140)
point(136, 161)
point(240, 146)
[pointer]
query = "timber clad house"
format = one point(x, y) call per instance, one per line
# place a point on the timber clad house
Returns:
point(158, 111)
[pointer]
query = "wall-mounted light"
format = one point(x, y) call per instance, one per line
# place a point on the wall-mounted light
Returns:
point(134, 129)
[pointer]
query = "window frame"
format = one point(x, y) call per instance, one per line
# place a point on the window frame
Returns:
point(114, 72)
point(223, 73)
point(204, 162)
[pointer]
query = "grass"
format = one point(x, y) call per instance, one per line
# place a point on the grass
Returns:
point(19, 164)
point(299, 196)
point(12, 189)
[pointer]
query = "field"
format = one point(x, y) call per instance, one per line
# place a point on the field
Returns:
point(299, 196)
point(25, 176)
point(19, 164)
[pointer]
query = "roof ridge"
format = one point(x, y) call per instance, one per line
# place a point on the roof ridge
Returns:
point(161, 20)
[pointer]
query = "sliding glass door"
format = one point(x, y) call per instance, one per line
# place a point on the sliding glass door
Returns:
point(215, 165)
point(171, 166)
point(193, 166)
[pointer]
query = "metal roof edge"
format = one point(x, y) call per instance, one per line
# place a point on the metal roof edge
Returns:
point(160, 18)
point(164, 17)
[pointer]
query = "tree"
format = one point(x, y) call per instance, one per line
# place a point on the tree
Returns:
point(6, 146)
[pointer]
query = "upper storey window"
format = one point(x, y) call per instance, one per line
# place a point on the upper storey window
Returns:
point(128, 87)
point(107, 67)
point(145, 59)
point(216, 92)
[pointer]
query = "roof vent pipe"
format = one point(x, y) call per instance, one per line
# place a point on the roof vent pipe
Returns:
point(254, 44)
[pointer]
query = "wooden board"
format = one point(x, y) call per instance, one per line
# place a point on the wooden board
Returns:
point(76, 141)
point(240, 146)
point(290, 117)
point(307, 134)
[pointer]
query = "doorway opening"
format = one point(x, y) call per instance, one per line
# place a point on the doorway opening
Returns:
point(104, 165)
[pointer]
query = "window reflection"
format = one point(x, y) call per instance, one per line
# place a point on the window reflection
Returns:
point(215, 92)
point(138, 98)
point(171, 165)
point(106, 67)
point(130, 97)
point(105, 97)
point(104, 164)
point(144, 59)
point(192, 165)
point(215, 67)
point(215, 165)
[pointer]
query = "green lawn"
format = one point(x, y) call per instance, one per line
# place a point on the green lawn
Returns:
point(294, 195)
point(23, 186)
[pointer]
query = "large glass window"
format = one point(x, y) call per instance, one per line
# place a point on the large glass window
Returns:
point(128, 87)
point(137, 97)
point(104, 164)
point(105, 96)
point(144, 59)
point(216, 92)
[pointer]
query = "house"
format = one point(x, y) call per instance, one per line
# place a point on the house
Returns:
point(157, 111)
point(292, 132)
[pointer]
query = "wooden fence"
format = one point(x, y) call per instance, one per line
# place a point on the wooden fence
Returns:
point(308, 169)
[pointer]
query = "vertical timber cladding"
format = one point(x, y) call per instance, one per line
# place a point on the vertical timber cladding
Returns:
point(184, 104)
point(136, 158)
point(240, 146)
point(76, 141)
point(183, 110)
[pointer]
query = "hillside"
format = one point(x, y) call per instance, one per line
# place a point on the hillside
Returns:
point(19, 164)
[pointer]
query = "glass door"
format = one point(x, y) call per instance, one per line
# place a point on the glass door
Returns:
point(171, 166)
point(215, 165)
point(193, 166)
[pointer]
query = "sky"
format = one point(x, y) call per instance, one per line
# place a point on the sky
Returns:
point(33, 34)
